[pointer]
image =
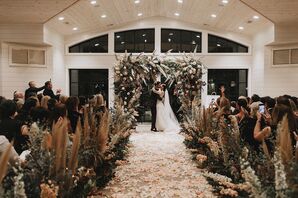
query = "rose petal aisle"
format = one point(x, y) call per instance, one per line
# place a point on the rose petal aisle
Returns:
point(158, 165)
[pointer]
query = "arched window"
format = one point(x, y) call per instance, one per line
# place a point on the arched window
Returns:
point(180, 40)
point(95, 45)
point(218, 44)
point(141, 40)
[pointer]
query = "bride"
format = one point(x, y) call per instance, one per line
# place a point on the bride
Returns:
point(165, 118)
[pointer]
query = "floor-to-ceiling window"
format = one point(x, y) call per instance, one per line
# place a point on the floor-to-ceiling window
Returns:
point(234, 80)
point(88, 82)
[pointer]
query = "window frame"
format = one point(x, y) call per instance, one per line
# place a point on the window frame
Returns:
point(89, 39)
point(134, 31)
point(231, 40)
point(191, 31)
point(290, 48)
point(12, 47)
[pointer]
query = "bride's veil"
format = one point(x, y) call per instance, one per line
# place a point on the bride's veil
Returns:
point(168, 109)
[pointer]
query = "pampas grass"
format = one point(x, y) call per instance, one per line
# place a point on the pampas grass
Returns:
point(284, 141)
point(4, 162)
point(60, 146)
point(73, 161)
point(103, 132)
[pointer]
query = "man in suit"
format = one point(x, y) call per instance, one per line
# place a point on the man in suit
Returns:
point(48, 91)
point(32, 90)
point(154, 98)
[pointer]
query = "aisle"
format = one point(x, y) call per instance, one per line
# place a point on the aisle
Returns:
point(158, 166)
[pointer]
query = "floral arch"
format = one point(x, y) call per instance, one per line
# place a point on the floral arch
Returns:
point(185, 73)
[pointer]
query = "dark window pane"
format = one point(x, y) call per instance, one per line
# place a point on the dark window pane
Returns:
point(94, 45)
point(218, 44)
point(180, 40)
point(135, 41)
point(234, 80)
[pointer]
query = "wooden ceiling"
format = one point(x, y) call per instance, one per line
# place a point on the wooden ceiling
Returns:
point(31, 11)
point(88, 17)
point(282, 12)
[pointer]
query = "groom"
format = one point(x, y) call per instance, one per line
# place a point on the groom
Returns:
point(154, 98)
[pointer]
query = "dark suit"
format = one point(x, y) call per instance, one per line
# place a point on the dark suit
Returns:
point(154, 98)
point(49, 92)
point(32, 90)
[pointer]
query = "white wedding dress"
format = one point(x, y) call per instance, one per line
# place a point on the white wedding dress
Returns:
point(166, 120)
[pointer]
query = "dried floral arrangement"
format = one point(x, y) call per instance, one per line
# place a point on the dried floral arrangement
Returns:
point(233, 167)
point(131, 71)
point(67, 165)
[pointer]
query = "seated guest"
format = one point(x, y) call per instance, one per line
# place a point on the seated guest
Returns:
point(2, 99)
point(58, 114)
point(24, 113)
point(48, 91)
point(44, 102)
point(279, 111)
point(4, 144)
point(246, 124)
point(255, 98)
point(51, 104)
point(18, 96)
point(12, 128)
point(72, 105)
point(83, 102)
point(63, 99)
point(32, 90)
point(39, 115)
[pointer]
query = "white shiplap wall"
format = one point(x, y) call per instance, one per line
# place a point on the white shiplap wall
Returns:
point(268, 80)
point(17, 78)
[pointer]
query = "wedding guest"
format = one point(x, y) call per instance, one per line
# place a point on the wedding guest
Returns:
point(72, 105)
point(82, 102)
point(13, 155)
point(262, 133)
point(48, 91)
point(63, 99)
point(2, 99)
point(51, 104)
point(18, 96)
point(32, 90)
point(255, 98)
point(12, 128)
point(24, 113)
point(40, 115)
point(44, 102)
point(246, 124)
point(58, 114)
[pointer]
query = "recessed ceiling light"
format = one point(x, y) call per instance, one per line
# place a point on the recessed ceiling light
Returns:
point(225, 1)
point(140, 14)
point(213, 15)
point(137, 1)
point(180, 1)
point(177, 14)
point(96, 44)
point(256, 17)
point(103, 16)
point(75, 28)
point(61, 18)
point(241, 28)
point(93, 2)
